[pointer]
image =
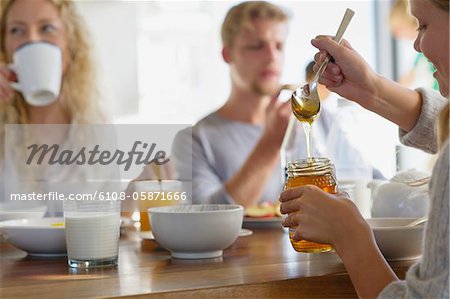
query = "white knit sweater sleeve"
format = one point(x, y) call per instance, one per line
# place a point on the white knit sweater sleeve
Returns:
point(429, 277)
point(423, 136)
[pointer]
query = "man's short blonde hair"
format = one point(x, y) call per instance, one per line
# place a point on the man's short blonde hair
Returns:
point(241, 17)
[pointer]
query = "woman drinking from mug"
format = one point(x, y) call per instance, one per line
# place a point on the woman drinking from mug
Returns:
point(55, 24)
point(334, 219)
point(58, 23)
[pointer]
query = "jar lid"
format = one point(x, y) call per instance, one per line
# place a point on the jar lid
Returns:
point(310, 166)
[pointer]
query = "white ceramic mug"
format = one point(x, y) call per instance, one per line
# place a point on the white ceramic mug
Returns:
point(38, 66)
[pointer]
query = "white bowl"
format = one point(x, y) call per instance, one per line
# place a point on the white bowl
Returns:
point(9, 211)
point(196, 231)
point(39, 237)
point(396, 241)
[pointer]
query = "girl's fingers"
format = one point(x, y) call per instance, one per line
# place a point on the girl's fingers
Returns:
point(290, 206)
point(291, 220)
point(298, 235)
point(291, 194)
point(331, 81)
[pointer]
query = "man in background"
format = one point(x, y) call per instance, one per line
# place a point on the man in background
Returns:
point(236, 149)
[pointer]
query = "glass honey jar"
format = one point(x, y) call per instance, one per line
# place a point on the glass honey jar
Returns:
point(311, 171)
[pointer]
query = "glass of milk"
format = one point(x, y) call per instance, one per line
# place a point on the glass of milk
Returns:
point(354, 179)
point(92, 232)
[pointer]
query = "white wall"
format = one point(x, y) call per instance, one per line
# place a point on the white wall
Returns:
point(166, 54)
point(112, 25)
point(161, 60)
point(180, 45)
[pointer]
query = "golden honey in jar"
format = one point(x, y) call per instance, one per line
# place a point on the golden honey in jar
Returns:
point(312, 171)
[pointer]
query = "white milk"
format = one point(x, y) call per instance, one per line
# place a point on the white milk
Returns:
point(94, 236)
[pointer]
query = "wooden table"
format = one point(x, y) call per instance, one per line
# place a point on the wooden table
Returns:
point(262, 265)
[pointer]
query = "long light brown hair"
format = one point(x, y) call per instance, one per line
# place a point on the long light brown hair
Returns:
point(444, 124)
point(444, 116)
point(400, 14)
point(441, 4)
point(79, 95)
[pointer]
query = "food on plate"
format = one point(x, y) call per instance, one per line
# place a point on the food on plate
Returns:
point(57, 224)
point(263, 210)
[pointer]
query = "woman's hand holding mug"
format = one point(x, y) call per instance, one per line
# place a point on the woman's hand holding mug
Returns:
point(36, 72)
point(6, 77)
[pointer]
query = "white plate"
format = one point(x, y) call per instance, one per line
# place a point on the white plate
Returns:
point(245, 232)
point(126, 222)
point(148, 235)
point(11, 210)
point(263, 222)
point(38, 237)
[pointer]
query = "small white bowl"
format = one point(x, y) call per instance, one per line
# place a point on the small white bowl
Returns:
point(9, 211)
point(196, 231)
point(38, 237)
point(396, 241)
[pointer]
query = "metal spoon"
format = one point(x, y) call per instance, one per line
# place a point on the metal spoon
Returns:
point(417, 221)
point(305, 100)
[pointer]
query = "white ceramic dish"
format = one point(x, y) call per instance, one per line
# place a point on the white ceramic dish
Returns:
point(9, 211)
point(38, 237)
point(148, 235)
point(262, 222)
point(396, 241)
point(196, 231)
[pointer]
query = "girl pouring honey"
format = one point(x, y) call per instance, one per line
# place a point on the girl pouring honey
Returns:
point(333, 219)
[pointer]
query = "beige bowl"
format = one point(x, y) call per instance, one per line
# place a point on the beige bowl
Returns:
point(396, 241)
point(196, 231)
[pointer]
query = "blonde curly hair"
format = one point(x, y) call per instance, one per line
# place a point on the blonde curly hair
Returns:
point(79, 95)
